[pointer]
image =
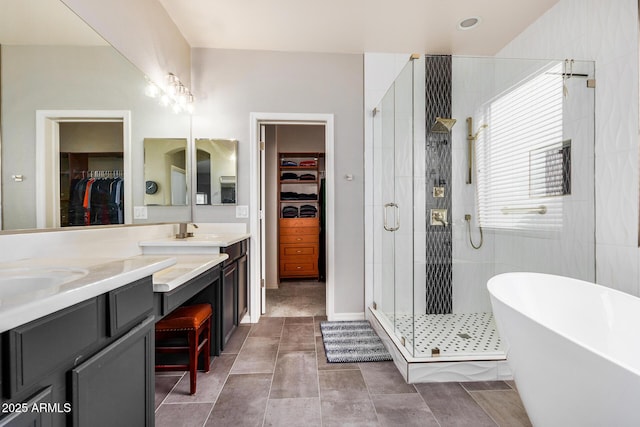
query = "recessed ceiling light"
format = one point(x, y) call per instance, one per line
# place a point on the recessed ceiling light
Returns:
point(469, 23)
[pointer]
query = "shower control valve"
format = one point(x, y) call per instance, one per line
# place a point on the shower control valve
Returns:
point(439, 217)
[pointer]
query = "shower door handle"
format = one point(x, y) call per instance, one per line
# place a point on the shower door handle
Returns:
point(397, 217)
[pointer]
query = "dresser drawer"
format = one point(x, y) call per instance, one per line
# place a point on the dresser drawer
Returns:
point(296, 250)
point(298, 223)
point(300, 238)
point(299, 268)
point(311, 231)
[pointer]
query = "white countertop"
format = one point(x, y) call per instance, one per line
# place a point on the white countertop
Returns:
point(95, 276)
point(186, 268)
point(199, 244)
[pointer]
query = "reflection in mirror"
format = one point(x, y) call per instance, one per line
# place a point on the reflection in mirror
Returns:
point(52, 60)
point(216, 171)
point(165, 172)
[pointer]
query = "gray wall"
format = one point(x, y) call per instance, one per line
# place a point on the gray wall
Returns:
point(230, 84)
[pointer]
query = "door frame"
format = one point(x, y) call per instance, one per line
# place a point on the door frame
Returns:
point(48, 159)
point(256, 216)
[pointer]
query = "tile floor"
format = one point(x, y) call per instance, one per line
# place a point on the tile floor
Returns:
point(296, 298)
point(274, 373)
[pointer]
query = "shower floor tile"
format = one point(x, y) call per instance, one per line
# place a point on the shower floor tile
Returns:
point(453, 334)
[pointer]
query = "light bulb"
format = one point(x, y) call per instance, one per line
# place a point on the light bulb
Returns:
point(152, 90)
point(165, 100)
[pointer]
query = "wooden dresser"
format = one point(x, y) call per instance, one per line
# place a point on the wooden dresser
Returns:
point(299, 239)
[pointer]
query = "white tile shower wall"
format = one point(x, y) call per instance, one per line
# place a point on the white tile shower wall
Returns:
point(517, 251)
point(607, 32)
point(118, 242)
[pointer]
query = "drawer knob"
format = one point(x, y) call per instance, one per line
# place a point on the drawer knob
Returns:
point(298, 267)
point(299, 252)
point(298, 239)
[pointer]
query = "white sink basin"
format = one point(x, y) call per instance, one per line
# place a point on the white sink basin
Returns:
point(27, 281)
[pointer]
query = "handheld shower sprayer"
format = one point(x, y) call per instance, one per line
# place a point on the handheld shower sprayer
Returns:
point(467, 218)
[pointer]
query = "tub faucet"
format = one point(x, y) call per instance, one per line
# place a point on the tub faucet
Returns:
point(182, 230)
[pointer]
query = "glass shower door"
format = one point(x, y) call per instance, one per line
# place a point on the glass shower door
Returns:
point(393, 172)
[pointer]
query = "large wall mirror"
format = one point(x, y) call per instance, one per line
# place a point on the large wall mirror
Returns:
point(217, 171)
point(52, 62)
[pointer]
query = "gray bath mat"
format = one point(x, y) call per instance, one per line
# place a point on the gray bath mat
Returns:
point(352, 341)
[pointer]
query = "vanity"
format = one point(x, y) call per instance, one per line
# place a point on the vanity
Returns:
point(77, 333)
point(78, 341)
point(225, 287)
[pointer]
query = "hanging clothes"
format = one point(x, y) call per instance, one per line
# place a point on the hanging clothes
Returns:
point(96, 201)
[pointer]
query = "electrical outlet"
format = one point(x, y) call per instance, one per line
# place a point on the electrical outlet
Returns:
point(139, 212)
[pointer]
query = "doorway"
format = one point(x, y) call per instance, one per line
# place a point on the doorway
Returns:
point(259, 226)
point(48, 173)
point(295, 220)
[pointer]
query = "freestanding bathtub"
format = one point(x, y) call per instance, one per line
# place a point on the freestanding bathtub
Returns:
point(573, 347)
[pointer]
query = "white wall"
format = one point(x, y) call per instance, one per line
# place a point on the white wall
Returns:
point(234, 83)
point(607, 32)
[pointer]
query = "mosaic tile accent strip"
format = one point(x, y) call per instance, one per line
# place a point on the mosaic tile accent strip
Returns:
point(458, 334)
point(438, 170)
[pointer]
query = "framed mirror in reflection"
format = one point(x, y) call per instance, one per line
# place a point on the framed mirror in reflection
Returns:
point(217, 171)
point(166, 172)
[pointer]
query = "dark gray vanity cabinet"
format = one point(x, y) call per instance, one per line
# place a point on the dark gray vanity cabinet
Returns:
point(229, 305)
point(28, 417)
point(97, 353)
point(234, 289)
point(114, 387)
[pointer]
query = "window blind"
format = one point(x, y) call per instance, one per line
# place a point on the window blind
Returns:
point(520, 157)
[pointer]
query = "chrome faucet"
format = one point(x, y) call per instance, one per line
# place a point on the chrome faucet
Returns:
point(182, 230)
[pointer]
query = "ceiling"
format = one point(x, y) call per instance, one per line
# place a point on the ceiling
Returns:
point(43, 22)
point(354, 26)
point(338, 26)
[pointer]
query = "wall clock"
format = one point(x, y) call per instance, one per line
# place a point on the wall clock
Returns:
point(151, 187)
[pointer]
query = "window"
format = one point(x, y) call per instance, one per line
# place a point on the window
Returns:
point(523, 164)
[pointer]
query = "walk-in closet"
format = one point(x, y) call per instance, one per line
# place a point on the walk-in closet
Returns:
point(91, 173)
point(295, 217)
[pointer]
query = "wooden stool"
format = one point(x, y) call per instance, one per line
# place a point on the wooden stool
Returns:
point(190, 321)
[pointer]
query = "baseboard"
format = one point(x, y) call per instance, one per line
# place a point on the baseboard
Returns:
point(347, 316)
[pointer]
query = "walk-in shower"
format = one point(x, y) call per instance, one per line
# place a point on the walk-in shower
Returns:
point(519, 176)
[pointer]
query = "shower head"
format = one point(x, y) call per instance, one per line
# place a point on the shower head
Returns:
point(442, 125)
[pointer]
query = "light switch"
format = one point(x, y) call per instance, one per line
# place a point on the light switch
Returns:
point(139, 212)
point(242, 211)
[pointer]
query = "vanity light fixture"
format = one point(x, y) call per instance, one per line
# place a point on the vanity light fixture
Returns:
point(174, 94)
point(469, 23)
